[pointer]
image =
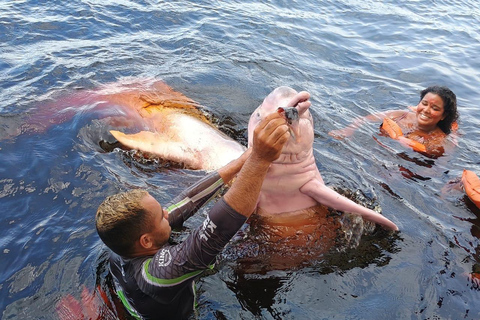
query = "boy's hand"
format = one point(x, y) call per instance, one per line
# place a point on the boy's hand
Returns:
point(269, 137)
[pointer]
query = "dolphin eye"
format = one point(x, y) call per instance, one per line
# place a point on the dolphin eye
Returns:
point(258, 114)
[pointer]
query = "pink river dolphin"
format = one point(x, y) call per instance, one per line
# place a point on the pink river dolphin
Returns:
point(160, 122)
point(293, 187)
point(176, 130)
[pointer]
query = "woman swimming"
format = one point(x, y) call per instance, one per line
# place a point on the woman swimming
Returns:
point(428, 124)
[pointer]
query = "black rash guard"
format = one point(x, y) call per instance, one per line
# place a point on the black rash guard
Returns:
point(162, 286)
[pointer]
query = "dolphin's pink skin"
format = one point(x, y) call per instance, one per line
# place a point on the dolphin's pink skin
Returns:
point(293, 181)
point(162, 122)
point(92, 305)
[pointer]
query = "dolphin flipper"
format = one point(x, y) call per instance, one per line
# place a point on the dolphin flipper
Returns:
point(328, 197)
point(154, 143)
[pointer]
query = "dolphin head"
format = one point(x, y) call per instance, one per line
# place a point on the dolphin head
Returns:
point(285, 98)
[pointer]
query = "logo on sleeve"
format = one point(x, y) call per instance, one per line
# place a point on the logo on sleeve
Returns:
point(164, 258)
point(208, 229)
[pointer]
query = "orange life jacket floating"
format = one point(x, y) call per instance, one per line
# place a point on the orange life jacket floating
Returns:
point(395, 132)
point(471, 184)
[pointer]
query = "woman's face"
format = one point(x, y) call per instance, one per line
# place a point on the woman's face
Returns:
point(430, 111)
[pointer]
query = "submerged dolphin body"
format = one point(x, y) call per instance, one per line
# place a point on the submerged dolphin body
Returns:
point(293, 183)
point(162, 122)
point(177, 131)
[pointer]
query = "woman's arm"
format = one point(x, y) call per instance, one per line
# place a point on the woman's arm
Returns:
point(358, 122)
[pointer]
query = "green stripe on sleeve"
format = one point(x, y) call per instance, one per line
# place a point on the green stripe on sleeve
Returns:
point(168, 282)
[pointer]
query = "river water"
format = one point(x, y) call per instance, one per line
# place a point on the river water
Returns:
point(354, 57)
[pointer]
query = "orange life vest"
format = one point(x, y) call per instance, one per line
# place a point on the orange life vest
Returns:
point(395, 132)
point(471, 184)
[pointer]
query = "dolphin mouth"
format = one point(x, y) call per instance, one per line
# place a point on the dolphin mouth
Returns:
point(291, 115)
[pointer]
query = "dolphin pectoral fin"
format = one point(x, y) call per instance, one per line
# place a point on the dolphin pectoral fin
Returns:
point(330, 198)
point(156, 144)
point(144, 140)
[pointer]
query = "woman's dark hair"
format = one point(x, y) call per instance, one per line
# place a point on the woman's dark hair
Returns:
point(449, 106)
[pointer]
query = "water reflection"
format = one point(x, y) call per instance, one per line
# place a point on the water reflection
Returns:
point(355, 58)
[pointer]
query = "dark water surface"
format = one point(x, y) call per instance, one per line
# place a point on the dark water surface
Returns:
point(354, 57)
